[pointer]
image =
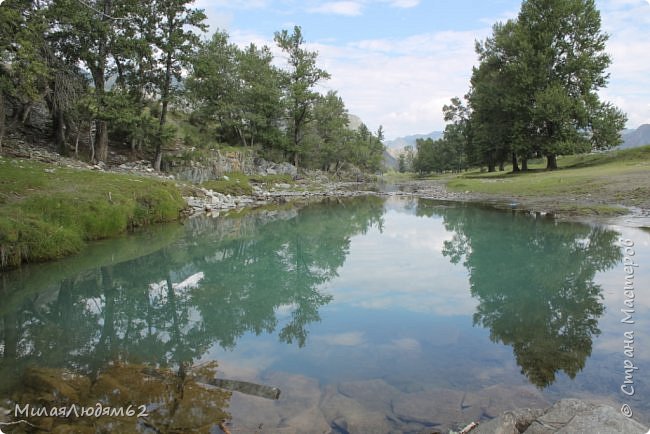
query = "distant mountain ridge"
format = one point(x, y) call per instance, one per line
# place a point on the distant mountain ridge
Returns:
point(400, 143)
point(632, 138)
point(635, 138)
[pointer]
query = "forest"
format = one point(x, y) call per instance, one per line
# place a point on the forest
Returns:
point(145, 77)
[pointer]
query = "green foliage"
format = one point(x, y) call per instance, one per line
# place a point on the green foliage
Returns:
point(116, 67)
point(436, 156)
point(48, 215)
point(300, 79)
point(239, 90)
point(401, 163)
point(535, 89)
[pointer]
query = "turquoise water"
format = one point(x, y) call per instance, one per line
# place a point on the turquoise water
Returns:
point(370, 315)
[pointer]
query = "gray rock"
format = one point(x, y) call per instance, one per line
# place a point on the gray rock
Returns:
point(510, 422)
point(568, 416)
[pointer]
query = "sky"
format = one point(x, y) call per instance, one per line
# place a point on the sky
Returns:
point(395, 63)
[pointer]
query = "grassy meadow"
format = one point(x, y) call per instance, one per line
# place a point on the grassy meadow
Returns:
point(47, 212)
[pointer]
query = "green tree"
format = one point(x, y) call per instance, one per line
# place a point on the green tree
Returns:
point(176, 42)
point(86, 33)
point(401, 163)
point(261, 94)
point(535, 90)
point(495, 101)
point(303, 74)
point(567, 51)
point(214, 84)
point(24, 71)
point(332, 130)
point(135, 66)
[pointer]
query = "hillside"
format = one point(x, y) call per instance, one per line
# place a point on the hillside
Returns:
point(636, 138)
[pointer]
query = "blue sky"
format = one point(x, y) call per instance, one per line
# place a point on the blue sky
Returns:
point(397, 62)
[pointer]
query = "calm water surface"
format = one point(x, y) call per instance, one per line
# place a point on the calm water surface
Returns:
point(370, 315)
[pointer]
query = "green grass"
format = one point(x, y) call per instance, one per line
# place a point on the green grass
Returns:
point(47, 215)
point(577, 174)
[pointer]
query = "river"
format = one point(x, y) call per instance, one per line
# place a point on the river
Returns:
point(370, 314)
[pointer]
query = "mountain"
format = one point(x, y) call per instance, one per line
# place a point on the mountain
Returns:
point(354, 122)
point(401, 142)
point(390, 162)
point(634, 138)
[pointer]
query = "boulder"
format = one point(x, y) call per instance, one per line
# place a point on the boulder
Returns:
point(566, 416)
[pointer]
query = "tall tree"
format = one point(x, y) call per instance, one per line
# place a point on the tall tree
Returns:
point(213, 84)
point(260, 97)
point(85, 32)
point(302, 76)
point(332, 130)
point(24, 70)
point(498, 105)
point(535, 90)
point(176, 41)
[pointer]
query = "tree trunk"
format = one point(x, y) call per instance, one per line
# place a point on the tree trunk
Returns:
point(2, 119)
point(91, 140)
point(76, 142)
point(25, 111)
point(524, 164)
point(515, 166)
point(101, 132)
point(58, 122)
point(157, 161)
point(551, 162)
point(241, 135)
point(501, 166)
point(101, 141)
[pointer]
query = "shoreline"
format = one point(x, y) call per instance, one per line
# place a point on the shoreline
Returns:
point(554, 207)
point(317, 186)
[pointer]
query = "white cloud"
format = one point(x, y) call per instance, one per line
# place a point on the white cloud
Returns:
point(627, 21)
point(404, 3)
point(347, 8)
point(347, 339)
point(401, 84)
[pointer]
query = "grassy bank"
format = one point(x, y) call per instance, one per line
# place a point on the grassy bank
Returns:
point(583, 184)
point(49, 212)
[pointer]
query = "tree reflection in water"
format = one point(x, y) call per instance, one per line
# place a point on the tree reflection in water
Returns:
point(534, 280)
point(229, 276)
